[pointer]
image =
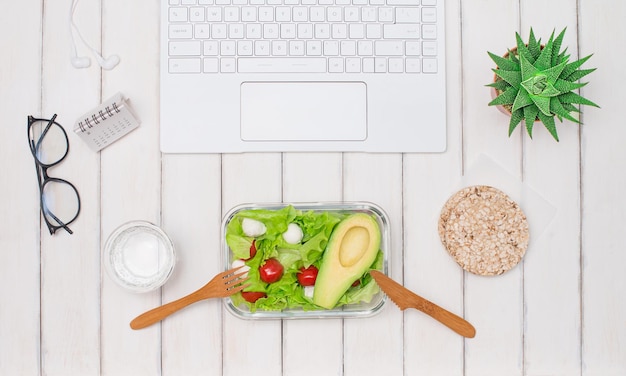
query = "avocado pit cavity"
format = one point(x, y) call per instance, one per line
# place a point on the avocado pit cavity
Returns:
point(353, 245)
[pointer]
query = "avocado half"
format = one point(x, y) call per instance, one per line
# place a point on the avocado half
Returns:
point(351, 250)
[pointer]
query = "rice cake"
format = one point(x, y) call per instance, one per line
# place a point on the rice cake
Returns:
point(483, 230)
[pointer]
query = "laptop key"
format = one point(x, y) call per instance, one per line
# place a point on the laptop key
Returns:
point(227, 65)
point(429, 15)
point(407, 15)
point(353, 65)
point(429, 65)
point(184, 65)
point(429, 31)
point(401, 31)
point(413, 65)
point(178, 14)
point(282, 65)
point(180, 31)
point(389, 48)
point(211, 65)
point(429, 48)
point(184, 48)
point(396, 65)
point(403, 2)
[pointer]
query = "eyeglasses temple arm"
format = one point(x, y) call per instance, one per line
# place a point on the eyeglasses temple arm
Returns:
point(59, 222)
point(46, 130)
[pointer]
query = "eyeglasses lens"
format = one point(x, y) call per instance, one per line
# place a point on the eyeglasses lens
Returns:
point(50, 142)
point(60, 202)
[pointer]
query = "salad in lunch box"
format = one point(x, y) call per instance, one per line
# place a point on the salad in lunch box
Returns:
point(310, 260)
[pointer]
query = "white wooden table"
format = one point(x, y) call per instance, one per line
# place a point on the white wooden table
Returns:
point(561, 312)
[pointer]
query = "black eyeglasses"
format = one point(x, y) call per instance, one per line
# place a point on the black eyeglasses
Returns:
point(59, 199)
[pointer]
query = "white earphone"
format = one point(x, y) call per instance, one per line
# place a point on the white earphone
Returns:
point(83, 61)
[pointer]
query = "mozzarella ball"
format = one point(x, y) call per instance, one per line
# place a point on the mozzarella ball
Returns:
point(252, 227)
point(294, 234)
point(239, 263)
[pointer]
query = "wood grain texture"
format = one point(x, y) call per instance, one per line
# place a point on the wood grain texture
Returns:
point(192, 343)
point(552, 319)
point(603, 203)
point(493, 306)
point(20, 95)
point(559, 313)
point(70, 272)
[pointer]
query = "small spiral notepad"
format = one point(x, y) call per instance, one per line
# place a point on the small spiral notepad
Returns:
point(106, 123)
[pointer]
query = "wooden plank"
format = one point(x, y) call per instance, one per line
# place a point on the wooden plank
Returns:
point(552, 321)
point(192, 338)
point(20, 93)
point(131, 180)
point(493, 305)
point(428, 269)
point(251, 178)
point(603, 184)
point(312, 178)
point(70, 332)
point(375, 345)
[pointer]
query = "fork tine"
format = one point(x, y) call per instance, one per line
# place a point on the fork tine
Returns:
point(234, 277)
point(228, 291)
point(234, 290)
point(228, 272)
point(225, 274)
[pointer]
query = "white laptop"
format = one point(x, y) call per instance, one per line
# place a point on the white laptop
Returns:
point(302, 75)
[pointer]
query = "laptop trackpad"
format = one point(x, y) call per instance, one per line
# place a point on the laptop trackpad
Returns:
point(303, 111)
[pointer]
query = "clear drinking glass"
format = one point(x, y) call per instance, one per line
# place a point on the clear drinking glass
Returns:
point(139, 256)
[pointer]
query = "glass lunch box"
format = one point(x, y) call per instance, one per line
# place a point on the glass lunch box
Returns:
point(346, 311)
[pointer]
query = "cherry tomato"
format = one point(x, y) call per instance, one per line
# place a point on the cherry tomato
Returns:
point(271, 271)
point(253, 296)
point(307, 276)
point(252, 251)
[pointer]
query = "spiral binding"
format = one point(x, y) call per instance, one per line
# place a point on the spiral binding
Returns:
point(102, 115)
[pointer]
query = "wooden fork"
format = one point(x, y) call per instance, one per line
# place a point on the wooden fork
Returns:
point(222, 285)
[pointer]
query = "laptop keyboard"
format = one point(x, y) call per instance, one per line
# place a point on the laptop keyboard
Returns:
point(302, 36)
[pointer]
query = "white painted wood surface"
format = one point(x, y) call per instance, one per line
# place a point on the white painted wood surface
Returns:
point(561, 312)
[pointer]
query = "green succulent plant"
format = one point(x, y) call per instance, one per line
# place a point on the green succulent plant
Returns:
point(537, 82)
